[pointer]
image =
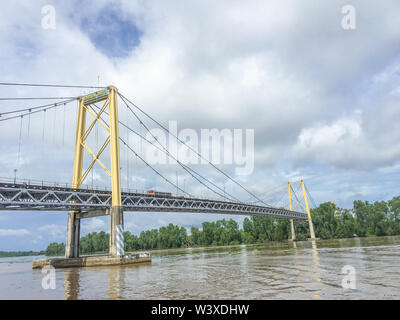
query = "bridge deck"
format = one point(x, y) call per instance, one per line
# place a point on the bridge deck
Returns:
point(53, 198)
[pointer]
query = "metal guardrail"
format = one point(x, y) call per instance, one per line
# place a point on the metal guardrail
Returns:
point(36, 182)
point(44, 183)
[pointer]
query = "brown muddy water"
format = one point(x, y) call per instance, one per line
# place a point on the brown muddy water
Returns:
point(302, 270)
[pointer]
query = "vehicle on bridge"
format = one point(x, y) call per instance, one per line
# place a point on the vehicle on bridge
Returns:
point(157, 193)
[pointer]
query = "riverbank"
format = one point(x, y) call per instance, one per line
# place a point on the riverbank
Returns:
point(270, 244)
point(371, 240)
point(14, 254)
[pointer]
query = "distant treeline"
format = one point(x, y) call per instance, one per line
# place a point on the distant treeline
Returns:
point(365, 219)
point(6, 254)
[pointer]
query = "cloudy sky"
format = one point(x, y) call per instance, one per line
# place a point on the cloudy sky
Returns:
point(322, 100)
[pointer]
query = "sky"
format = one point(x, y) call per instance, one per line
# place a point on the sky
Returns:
point(322, 100)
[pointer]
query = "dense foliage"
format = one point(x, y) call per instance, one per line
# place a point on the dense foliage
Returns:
point(55, 249)
point(365, 219)
point(94, 243)
point(163, 238)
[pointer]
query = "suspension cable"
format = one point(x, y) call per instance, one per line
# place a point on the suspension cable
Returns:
point(311, 198)
point(280, 199)
point(48, 85)
point(54, 125)
point(145, 162)
point(29, 123)
point(37, 107)
point(127, 161)
point(37, 98)
point(165, 150)
point(269, 193)
point(44, 124)
point(19, 141)
point(63, 137)
point(297, 199)
point(186, 168)
point(51, 106)
point(215, 167)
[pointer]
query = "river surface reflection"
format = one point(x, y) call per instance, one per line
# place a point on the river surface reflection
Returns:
point(288, 270)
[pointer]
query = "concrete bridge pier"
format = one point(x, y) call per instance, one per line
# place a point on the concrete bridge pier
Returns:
point(73, 235)
point(312, 233)
point(117, 231)
point(293, 233)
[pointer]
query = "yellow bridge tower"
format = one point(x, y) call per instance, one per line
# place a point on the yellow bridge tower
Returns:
point(299, 187)
point(109, 96)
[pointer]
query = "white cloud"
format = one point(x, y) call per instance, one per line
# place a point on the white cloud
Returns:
point(94, 225)
point(347, 142)
point(339, 132)
point(54, 231)
point(14, 232)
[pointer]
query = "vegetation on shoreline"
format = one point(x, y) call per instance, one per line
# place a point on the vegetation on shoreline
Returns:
point(365, 219)
point(7, 254)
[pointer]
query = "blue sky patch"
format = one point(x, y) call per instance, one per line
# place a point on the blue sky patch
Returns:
point(111, 32)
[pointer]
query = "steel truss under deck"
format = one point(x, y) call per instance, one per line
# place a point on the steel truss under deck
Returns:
point(51, 198)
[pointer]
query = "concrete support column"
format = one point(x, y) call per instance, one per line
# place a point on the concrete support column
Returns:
point(73, 235)
point(116, 231)
point(312, 233)
point(310, 224)
point(292, 230)
point(77, 233)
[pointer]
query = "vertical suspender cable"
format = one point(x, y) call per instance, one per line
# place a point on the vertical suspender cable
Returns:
point(19, 142)
point(54, 124)
point(44, 124)
point(63, 125)
point(188, 146)
point(141, 145)
point(127, 159)
point(29, 121)
point(97, 139)
point(136, 160)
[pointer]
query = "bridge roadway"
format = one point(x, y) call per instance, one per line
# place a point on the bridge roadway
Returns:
point(90, 203)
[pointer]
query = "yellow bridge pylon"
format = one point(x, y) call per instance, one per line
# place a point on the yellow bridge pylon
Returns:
point(293, 189)
point(109, 96)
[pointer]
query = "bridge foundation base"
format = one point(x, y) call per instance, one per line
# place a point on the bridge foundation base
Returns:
point(73, 235)
point(292, 230)
point(116, 231)
point(93, 261)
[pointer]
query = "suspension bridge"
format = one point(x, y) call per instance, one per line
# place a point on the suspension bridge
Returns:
point(85, 201)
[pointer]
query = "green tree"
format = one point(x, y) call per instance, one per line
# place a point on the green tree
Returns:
point(55, 249)
point(394, 216)
point(194, 236)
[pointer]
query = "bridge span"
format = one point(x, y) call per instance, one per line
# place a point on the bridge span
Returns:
point(90, 202)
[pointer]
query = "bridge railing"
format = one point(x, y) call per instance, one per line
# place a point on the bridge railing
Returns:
point(45, 183)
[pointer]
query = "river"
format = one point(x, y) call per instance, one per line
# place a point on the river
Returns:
point(303, 270)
